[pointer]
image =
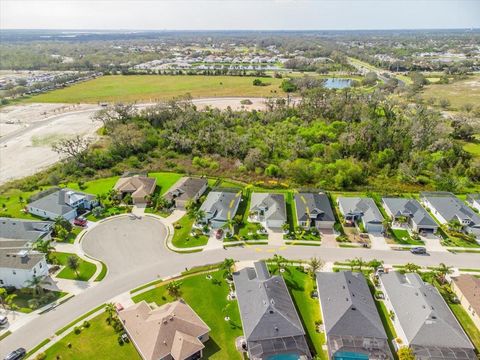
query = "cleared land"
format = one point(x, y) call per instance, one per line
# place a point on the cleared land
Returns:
point(150, 88)
point(458, 93)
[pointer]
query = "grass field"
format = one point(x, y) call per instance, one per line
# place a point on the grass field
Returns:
point(458, 93)
point(182, 237)
point(150, 88)
point(85, 270)
point(99, 341)
point(209, 300)
point(401, 236)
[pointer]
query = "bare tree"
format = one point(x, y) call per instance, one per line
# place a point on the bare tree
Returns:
point(73, 148)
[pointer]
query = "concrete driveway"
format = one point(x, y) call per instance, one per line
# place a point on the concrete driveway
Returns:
point(126, 243)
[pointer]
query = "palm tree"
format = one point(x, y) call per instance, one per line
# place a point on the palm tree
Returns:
point(227, 267)
point(44, 247)
point(279, 261)
point(73, 263)
point(230, 224)
point(110, 310)
point(10, 301)
point(442, 271)
point(35, 283)
point(3, 295)
point(411, 267)
point(173, 288)
point(286, 227)
point(374, 264)
point(315, 264)
point(455, 225)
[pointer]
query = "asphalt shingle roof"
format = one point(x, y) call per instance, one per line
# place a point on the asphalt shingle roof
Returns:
point(186, 188)
point(366, 207)
point(220, 205)
point(19, 259)
point(451, 207)
point(20, 229)
point(56, 202)
point(314, 205)
point(422, 313)
point(410, 208)
point(274, 205)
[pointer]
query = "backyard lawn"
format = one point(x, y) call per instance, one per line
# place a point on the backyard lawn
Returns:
point(85, 270)
point(301, 285)
point(209, 300)
point(12, 203)
point(401, 236)
point(99, 341)
point(152, 88)
point(182, 237)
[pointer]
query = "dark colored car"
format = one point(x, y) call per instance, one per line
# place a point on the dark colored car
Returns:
point(418, 250)
point(80, 222)
point(17, 354)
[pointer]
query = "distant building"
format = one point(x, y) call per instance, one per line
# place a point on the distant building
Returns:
point(422, 319)
point(65, 203)
point(268, 209)
point(467, 288)
point(447, 207)
point(270, 322)
point(361, 209)
point(185, 190)
point(418, 219)
point(139, 187)
point(219, 207)
point(170, 332)
point(314, 210)
point(351, 319)
point(18, 266)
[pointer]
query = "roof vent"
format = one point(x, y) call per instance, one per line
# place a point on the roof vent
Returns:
point(354, 308)
point(434, 317)
point(271, 312)
point(276, 328)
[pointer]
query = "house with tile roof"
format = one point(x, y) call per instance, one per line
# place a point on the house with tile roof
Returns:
point(467, 288)
point(172, 331)
point(351, 320)
point(271, 325)
point(141, 188)
point(422, 319)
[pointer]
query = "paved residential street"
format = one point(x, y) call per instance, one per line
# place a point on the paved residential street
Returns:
point(135, 254)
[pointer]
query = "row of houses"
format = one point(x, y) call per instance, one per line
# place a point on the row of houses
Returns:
point(272, 328)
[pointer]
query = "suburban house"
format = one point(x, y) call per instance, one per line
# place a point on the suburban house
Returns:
point(268, 209)
point(447, 207)
point(66, 203)
point(351, 320)
point(172, 331)
point(356, 209)
point(422, 319)
point(139, 187)
point(270, 322)
point(467, 288)
point(417, 218)
point(219, 207)
point(185, 190)
point(18, 266)
point(19, 233)
point(474, 201)
point(314, 210)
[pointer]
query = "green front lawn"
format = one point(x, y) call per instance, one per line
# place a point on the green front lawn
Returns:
point(110, 211)
point(85, 271)
point(303, 235)
point(209, 300)
point(99, 341)
point(12, 203)
point(455, 241)
point(301, 285)
point(401, 236)
point(25, 295)
point(248, 231)
point(182, 237)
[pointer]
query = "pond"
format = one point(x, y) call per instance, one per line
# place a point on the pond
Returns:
point(337, 83)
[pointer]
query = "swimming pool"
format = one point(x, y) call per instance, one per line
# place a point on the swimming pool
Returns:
point(349, 355)
point(287, 356)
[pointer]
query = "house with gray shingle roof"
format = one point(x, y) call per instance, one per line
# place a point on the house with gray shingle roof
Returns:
point(268, 209)
point(423, 320)
point(22, 233)
point(350, 317)
point(314, 210)
point(418, 219)
point(447, 207)
point(474, 201)
point(185, 190)
point(219, 207)
point(361, 209)
point(66, 203)
point(18, 266)
point(270, 321)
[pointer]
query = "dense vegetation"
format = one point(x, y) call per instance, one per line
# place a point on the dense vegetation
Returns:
point(333, 140)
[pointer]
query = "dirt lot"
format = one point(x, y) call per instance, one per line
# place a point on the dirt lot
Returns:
point(28, 131)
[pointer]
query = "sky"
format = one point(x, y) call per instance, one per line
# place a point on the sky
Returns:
point(239, 15)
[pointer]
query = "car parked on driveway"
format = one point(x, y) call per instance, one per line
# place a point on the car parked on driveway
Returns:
point(17, 354)
point(3, 320)
point(80, 221)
